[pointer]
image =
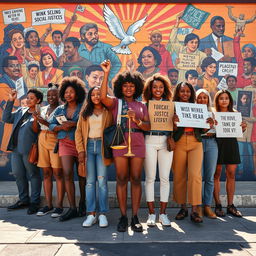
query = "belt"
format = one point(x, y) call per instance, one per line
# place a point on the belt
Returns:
point(156, 133)
point(98, 138)
point(133, 130)
point(209, 136)
point(189, 133)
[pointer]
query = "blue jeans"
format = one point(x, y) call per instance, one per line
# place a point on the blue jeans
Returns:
point(210, 149)
point(24, 171)
point(96, 171)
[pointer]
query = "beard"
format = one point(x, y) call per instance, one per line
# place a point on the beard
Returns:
point(92, 42)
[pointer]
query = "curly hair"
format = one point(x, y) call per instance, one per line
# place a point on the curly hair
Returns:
point(77, 84)
point(147, 93)
point(136, 78)
point(216, 100)
point(176, 96)
point(39, 95)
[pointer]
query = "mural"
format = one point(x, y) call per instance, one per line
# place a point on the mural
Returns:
point(210, 46)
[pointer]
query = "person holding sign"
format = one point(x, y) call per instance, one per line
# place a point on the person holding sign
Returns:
point(210, 151)
point(187, 160)
point(189, 56)
point(128, 87)
point(157, 88)
point(228, 155)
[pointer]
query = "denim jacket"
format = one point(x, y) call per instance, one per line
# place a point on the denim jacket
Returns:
point(62, 110)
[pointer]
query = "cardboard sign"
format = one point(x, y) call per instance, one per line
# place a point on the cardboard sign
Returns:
point(194, 16)
point(48, 16)
point(244, 102)
point(160, 115)
point(192, 115)
point(188, 61)
point(229, 124)
point(227, 68)
point(14, 15)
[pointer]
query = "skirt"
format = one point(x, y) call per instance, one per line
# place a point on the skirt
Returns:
point(67, 147)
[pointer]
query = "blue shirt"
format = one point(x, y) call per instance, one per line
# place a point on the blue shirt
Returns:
point(62, 110)
point(100, 52)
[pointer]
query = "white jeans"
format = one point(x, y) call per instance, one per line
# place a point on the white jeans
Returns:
point(156, 150)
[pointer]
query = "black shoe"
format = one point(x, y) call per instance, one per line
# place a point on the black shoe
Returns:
point(45, 210)
point(32, 209)
point(70, 214)
point(231, 209)
point(123, 224)
point(81, 209)
point(18, 205)
point(135, 224)
point(57, 212)
point(182, 214)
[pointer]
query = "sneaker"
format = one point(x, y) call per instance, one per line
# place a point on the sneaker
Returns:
point(90, 220)
point(32, 209)
point(163, 219)
point(43, 211)
point(18, 205)
point(103, 221)
point(57, 212)
point(70, 214)
point(151, 222)
point(123, 224)
point(135, 224)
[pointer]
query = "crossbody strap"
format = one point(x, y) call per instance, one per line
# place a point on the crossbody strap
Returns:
point(118, 120)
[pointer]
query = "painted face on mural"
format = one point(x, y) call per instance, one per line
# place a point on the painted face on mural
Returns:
point(13, 69)
point(231, 82)
point(95, 78)
point(77, 73)
point(247, 53)
point(218, 28)
point(47, 61)
point(192, 80)
point(18, 40)
point(148, 59)
point(91, 37)
point(33, 72)
point(156, 39)
point(69, 49)
point(247, 68)
point(57, 39)
point(173, 77)
point(33, 39)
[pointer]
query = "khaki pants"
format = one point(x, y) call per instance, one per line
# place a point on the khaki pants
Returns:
point(187, 165)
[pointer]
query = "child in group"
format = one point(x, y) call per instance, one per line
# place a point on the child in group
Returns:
point(228, 155)
point(89, 143)
point(192, 78)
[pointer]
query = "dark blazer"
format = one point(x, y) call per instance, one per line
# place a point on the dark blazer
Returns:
point(179, 132)
point(26, 135)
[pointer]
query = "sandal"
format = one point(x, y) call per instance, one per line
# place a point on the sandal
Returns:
point(194, 216)
point(181, 214)
point(218, 211)
point(231, 209)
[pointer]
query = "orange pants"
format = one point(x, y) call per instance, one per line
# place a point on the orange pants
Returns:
point(187, 165)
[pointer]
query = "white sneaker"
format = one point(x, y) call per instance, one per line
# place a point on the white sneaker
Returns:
point(163, 219)
point(103, 222)
point(151, 222)
point(90, 220)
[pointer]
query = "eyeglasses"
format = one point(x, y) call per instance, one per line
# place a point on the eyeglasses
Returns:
point(14, 66)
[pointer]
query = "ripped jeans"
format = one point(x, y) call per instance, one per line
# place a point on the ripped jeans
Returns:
point(96, 171)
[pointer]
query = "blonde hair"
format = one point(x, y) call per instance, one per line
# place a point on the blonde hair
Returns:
point(209, 105)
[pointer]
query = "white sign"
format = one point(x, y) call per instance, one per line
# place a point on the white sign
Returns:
point(229, 125)
point(19, 84)
point(227, 68)
point(80, 8)
point(48, 16)
point(192, 115)
point(222, 84)
point(216, 55)
point(14, 15)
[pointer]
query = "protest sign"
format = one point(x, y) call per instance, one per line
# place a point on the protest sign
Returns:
point(227, 68)
point(20, 87)
point(244, 102)
point(222, 84)
point(229, 125)
point(14, 15)
point(48, 16)
point(188, 61)
point(194, 16)
point(80, 8)
point(160, 115)
point(192, 115)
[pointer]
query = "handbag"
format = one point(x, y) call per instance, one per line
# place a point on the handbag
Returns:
point(113, 135)
point(33, 153)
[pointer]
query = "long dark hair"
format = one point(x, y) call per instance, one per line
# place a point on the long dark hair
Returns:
point(176, 96)
point(89, 107)
point(216, 100)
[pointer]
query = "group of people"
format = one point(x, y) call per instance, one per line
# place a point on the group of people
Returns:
point(72, 134)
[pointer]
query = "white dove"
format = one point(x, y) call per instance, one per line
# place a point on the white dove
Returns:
point(116, 28)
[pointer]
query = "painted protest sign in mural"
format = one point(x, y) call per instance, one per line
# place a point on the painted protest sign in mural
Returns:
point(149, 38)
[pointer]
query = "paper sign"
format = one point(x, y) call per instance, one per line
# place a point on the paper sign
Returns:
point(227, 68)
point(20, 88)
point(216, 55)
point(244, 102)
point(14, 15)
point(48, 16)
point(229, 124)
point(194, 16)
point(188, 61)
point(160, 115)
point(192, 115)
point(222, 84)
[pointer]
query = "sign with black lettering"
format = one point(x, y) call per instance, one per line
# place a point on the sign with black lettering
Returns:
point(227, 68)
point(188, 61)
point(192, 115)
point(228, 124)
point(48, 16)
point(14, 15)
point(160, 115)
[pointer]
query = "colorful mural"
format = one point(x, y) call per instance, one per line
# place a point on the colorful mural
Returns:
point(210, 45)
